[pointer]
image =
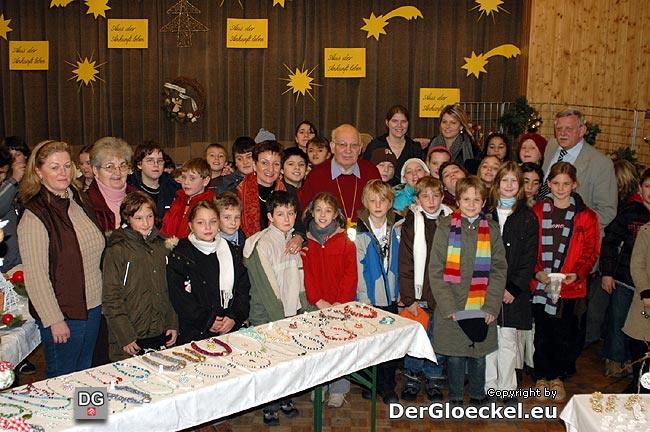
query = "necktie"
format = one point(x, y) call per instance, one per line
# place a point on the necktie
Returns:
point(545, 191)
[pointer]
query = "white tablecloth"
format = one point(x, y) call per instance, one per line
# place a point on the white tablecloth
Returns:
point(578, 415)
point(244, 388)
point(17, 343)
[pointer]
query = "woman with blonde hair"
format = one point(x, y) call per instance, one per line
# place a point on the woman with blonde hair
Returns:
point(456, 137)
point(61, 246)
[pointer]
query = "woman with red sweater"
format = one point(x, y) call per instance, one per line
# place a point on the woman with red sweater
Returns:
point(569, 244)
point(330, 266)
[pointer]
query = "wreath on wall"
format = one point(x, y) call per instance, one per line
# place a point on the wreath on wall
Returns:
point(183, 100)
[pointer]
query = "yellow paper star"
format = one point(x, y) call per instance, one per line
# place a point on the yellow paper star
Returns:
point(60, 3)
point(278, 2)
point(300, 81)
point(97, 7)
point(476, 63)
point(86, 71)
point(4, 26)
point(489, 7)
point(375, 24)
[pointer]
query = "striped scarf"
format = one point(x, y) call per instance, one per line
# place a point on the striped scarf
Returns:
point(553, 254)
point(482, 260)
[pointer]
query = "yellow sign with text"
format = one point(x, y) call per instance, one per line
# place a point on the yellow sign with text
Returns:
point(128, 33)
point(433, 100)
point(247, 33)
point(29, 55)
point(345, 62)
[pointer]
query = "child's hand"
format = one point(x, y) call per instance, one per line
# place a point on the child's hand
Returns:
point(323, 304)
point(507, 297)
point(132, 348)
point(452, 316)
point(608, 284)
point(227, 169)
point(294, 245)
point(570, 278)
point(489, 318)
point(542, 277)
point(172, 340)
point(413, 309)
point(222, 325)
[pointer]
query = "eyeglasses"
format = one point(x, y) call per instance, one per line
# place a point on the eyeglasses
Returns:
point(342, 145)
point(123, 167)
point(152, 161)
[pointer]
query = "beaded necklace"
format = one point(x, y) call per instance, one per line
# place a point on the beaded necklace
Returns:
point(347, 334)
point(146, 397)
point(25, 399)
point(31, 389)
point(185, 382)
point(120, 366)
point(361, 328)
point(285, 349)
point(211, 345)
point(296, 339)
point(251, 360)
point(170, 390)
point(246, 341)
point(174, 367)
point(333, 314)
point(190, 355)
point(113, 378)
point(22, 411)
point(201, 370)
point(365, 312)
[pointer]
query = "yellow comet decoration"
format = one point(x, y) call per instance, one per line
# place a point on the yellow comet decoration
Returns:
point(278, 2)
point(60, 3)
point(476, 63)
point(300, 81)
point(86, 71)
point(4, 26)
point(375, 24)
point(488, 7)
point(97, 7)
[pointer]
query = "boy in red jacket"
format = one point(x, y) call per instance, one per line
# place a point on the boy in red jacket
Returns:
point(195, 178)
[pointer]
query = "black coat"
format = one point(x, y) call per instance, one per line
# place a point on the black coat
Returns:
point(521, 240)
point(166, 192)
point(412, 149)
point(198, 308)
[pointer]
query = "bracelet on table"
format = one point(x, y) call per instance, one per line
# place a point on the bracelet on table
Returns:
point(175, 366)
point(296, 339)
point(348, 334)
point(146, 397)
point(333, 314)
point(365, 312)
point(26, 399)
point(387, 320)
point(251, 360)
point(190, 355)
point(212, 342)
point(200, 369)
point(121, 366)
point(361, 327)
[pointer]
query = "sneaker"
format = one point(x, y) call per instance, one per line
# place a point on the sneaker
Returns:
point(336, 400)
point(271, 418)
point(390, 397)
point(558, 386)
point(434, 390)
point(541, 385)
point(411, 388)
point(288, 409)
point(26, 368)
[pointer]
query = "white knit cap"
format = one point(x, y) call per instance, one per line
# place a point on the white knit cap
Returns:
point(410, 161)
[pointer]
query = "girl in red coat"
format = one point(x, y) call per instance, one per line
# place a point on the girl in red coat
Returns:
point(569, 244)
point(330, 265)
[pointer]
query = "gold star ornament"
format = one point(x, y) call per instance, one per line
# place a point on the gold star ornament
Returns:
point(476, 63)
point(375, 24)
point(300, 81)
point(278, 2)
point(489, 7)
point(4, 26)
point(97, 7)
point(86, 71)
point(60, 3)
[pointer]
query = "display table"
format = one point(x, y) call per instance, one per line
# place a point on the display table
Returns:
point(281, 358)
point(17, 343)
point(579, 415)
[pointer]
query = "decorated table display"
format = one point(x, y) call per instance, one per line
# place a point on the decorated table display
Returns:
point(19, 335)
point(607, 412)
point(204, 380)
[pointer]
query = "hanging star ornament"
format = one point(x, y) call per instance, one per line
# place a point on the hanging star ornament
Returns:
point(183, 24)
point(86, 70)
point(488, 7)
point(60, 3)
point(300, 81)
point(97, 7)
point(278, 2)
point(375, 24)
point(476, 63)
point(4, 26)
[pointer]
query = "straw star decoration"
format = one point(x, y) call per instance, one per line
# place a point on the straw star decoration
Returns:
point(300, 81)
point(86, 71)
point(4, 26)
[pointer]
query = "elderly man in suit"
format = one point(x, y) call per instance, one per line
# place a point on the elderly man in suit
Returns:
point(596, 185)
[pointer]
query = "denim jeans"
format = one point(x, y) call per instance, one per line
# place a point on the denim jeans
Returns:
point(616, 342)
point(427, 367)
point(456, 377)
point(77, 353)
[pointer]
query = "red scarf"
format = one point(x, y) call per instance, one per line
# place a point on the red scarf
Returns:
point(249, 195)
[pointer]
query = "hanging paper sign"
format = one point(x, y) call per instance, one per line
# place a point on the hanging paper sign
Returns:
point(128, 33)
point(29, 55)
point(345, 62)
point(247, 33)
point(433, 100)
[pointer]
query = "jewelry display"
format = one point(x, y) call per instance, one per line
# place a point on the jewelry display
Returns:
point(299, 340)
point(292, 327)
point(387, 320)
point(313, 321)
point(59, 415)
point(274, 334)
point(21, 411)
point(251, 360)
point(146, 397)
point(212, 344)
point(244, 341)
point(190, 355)
point(333, 314)
point(284, 349)
point(175, 366)
point(634, 399)
point(139, 385)
point(337, 336)
point(39, 401)
point(112, 378)
point(138, 372)
point(361, 328)
point(201, 369)
point(31, 389)
point(361, 310)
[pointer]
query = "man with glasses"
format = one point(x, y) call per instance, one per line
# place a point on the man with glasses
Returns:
point(150, 177)
point(344, 175)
